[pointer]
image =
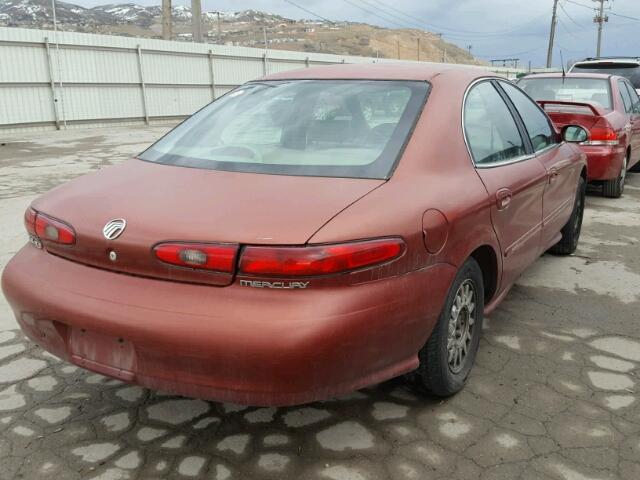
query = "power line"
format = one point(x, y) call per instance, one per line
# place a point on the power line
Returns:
point(570, 17)
point(310, 12)
point(441, 28)
point(393, 19)
point(624, 16)
point(369, 4)
point(590, 7)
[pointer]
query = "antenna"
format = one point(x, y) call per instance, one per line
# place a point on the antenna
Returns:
point(564, 74)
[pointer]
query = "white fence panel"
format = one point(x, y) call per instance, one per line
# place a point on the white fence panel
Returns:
point(62, 79)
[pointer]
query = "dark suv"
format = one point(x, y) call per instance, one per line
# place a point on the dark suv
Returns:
point(628, 67)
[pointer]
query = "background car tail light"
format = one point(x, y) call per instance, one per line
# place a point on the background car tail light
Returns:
point(205, 256)
point(48, 228)
point(320, 259)
point(602, 134)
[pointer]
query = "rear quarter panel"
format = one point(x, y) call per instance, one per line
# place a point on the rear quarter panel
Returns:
point(435, 172)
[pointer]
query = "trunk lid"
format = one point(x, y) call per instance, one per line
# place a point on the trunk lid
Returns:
point(563, 113)
point(168, 203)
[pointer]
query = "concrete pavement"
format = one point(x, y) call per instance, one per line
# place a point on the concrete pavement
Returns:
point(554, 394)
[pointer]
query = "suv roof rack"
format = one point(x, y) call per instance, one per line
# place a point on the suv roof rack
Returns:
point(620, 57)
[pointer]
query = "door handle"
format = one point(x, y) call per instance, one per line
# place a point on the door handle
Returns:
point(503, 198)
point(553, 175)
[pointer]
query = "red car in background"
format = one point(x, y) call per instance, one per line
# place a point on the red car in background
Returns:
point(608, 107)
point(303, 236)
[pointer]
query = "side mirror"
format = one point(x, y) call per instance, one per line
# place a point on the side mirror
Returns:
point(574, 134)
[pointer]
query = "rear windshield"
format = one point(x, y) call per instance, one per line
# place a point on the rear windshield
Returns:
point(333, 128)
point(631, 71)
point(596, 90)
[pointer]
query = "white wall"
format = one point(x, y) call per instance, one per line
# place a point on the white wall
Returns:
point(65, 79)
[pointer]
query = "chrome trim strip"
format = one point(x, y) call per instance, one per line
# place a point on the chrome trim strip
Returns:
point(502, 163)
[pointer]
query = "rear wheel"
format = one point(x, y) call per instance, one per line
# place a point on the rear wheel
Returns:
point(614, 188)
point(447, 357)
point(571, 231)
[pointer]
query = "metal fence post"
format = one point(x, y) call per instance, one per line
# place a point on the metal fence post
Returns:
point(211, 75)
point(143, 87)
point(53, 85)
point(264, 63)
point(306, 62)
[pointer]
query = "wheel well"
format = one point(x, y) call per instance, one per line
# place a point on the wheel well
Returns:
point(486, 258)
point(583, 173)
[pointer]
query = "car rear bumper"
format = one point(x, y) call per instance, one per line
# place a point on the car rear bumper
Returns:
point(235, 343)
point(604, 162)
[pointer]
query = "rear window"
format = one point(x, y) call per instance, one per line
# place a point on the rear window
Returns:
point(569, 89)
point(630, 71)
point(333, 128)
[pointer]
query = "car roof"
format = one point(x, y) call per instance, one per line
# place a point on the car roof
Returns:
point(384, 71)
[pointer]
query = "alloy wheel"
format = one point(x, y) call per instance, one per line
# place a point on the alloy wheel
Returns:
point(461, 326)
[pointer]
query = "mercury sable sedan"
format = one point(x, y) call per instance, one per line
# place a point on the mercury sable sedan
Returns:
point(303, 236)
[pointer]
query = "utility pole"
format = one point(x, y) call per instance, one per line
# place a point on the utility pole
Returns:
point(469, 47)
point(600, 19)
point(552, 33)
point(196, 20)
point(166, 19)
point(418, 48)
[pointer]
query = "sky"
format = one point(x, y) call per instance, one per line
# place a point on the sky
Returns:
point(495, 29)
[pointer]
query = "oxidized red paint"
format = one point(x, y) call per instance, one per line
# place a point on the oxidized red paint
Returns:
point(276, 347)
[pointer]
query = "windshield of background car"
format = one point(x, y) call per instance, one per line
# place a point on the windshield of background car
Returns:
point(630, 71)
point(570, 89)
point(332, 128)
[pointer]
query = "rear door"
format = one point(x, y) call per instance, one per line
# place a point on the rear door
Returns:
point(635, 123)
point(513, 177)
point(560, 190)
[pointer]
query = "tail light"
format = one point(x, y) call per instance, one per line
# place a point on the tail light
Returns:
point(30, 221)
point(202, 256)
point(602, 134)
point(48, 228)
point(320, 259)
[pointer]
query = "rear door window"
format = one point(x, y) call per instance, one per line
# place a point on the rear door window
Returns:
point(635, 99)
point(491, 131)
point(536, 122)
point(626, 97)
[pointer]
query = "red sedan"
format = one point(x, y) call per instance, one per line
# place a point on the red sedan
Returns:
point(608, 107)
point(303, 236)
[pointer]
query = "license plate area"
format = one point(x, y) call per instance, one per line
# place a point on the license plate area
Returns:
point(106, 354)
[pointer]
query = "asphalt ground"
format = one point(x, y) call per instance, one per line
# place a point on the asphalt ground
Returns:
point(553, 395)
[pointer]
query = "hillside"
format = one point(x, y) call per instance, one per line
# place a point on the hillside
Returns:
point(245, 28)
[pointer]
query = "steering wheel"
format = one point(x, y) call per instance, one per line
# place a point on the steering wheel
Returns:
point(232, 150)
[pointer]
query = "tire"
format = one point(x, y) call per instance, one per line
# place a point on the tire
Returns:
point(615, 188)
point(438, 374)
point(571, 231)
